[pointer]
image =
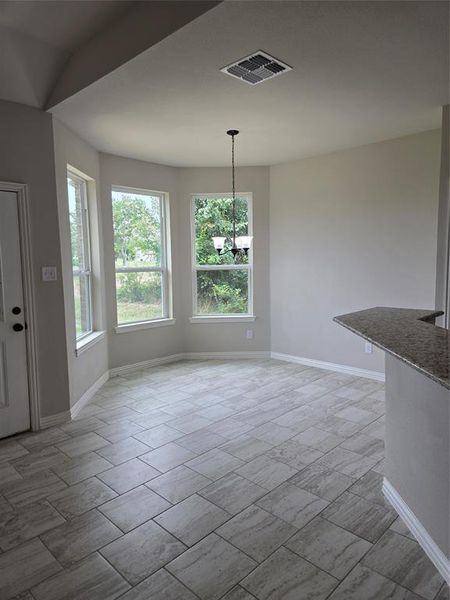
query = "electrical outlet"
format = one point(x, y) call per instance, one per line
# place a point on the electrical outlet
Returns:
point(249, 334)
point(368, 348)
point(49, 274)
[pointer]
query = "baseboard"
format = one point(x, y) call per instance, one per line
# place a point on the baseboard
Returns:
point(145, 364)
point(225, 355)
point(63, 417)
point(88, 394)
point(54, 420)
point(154, 362)
point(434, 553)
point(327, 366)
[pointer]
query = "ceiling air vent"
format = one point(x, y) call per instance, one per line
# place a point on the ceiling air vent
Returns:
point(256, 68)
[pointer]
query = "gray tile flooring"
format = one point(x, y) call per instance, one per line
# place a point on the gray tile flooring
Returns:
point(210, 480)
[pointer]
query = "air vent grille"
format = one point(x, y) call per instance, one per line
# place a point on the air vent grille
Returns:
point(256, 68)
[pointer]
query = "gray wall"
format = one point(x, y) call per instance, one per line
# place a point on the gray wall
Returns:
point(71, 150)
point(417, 446)
point(26, 156)
point(348, 231)
point(227, 337)
point(443, 242)
point(146, 344)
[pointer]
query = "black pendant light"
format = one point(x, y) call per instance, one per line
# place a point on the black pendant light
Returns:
point(240, 245)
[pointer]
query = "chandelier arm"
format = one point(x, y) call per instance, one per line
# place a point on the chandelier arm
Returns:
point(223, 251)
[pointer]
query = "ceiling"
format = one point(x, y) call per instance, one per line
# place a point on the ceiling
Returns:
point(362, 72)
point(65, 24)
point(49, 50)
point(38, 37)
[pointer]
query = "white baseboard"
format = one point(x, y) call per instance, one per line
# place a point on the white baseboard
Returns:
point(434, 553)
point(54, 420)
point(225, 355)
point(154, 362)
point(63, 417)
point(88, 394)
point(327, 366)
point(145, 364)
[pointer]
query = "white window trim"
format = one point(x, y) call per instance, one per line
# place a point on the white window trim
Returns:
point(165, 269)
point(222, 318)
point(128, 327)
point(80, 341)
point(89, 340)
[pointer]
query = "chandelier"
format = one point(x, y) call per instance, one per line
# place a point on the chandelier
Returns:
point(240, 245)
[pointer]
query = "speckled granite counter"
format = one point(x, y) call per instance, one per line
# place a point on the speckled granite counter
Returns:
point(408, 334)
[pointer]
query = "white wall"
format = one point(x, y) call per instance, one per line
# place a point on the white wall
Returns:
point(227, 337)
point(26, 156)
point(348, 231)
point(146, 344)
point(85, 369)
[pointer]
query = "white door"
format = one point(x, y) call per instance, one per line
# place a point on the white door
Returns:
point(14, 402)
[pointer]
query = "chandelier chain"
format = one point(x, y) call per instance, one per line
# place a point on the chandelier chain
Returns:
point(234, 190)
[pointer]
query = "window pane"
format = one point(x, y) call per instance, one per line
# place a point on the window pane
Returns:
point(214, 216)
point(82, 296)
point(137, 229)
point(139, 297)
point(79, 236)
point(76, 193)
point(222, 292)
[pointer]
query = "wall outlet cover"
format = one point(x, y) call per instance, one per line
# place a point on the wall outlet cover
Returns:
point(49, 274)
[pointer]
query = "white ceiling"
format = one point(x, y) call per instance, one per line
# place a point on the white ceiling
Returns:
point(363, 72)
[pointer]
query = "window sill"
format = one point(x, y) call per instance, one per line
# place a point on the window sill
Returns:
point(89, 341)
point(224, 319)
point(128, 328)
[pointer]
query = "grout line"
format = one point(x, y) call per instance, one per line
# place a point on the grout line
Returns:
point(114, 568)
point(179, 580)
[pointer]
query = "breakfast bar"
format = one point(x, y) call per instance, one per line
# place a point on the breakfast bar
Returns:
point(417, 470)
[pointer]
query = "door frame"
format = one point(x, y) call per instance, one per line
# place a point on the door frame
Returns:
point(23, 207)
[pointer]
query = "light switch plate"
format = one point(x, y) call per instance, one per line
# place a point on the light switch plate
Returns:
point(49, 274)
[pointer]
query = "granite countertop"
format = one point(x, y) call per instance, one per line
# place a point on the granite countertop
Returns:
point(408, 334)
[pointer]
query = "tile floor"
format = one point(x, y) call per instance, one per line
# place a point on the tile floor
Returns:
point(214, 480)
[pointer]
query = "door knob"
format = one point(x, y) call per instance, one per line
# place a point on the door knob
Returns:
point(16, 310)
point(18, 327)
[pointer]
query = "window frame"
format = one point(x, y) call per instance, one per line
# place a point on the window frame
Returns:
point(165, 268)
point(87, 273)
point(221, 317)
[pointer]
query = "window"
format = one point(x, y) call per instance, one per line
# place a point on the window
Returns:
point(221, 285)
point(81, 253)
point(141, 260)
